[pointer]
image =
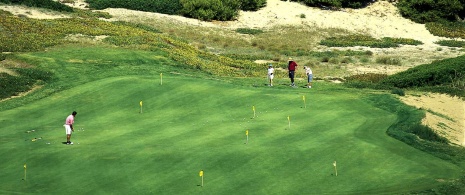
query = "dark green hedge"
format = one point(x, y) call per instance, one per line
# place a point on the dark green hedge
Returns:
point(48, 4)
point(423, 11)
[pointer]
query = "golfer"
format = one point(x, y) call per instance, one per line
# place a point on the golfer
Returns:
point(291, 67)
point(309, 74)
point(69, 127)
point(270, 74)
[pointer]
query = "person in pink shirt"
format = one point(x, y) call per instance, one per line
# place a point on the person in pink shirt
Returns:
point(69, 127)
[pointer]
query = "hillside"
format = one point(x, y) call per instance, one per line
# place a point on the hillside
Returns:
point(380, 19)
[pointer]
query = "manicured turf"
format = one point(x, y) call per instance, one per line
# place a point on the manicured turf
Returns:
point(191, 124)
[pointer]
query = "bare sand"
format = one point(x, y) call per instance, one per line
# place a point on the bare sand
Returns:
point(381, 19)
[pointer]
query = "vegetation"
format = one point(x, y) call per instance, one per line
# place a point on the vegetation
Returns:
point(423, 11)
point(48, 4)
point(447, 29)
point(451, 43)
point(249, 31)
point(367, 41)
point(151, 51)
point(334, 4)
point(200, 9)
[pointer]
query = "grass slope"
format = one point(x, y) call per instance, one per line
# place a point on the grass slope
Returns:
point(192, 124)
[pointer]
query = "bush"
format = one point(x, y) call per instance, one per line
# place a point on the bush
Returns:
point(451, 43)
point(388, 61)
point(249, 31)
point(367, 41)
point(330, 4)
point(423, 11)
point(252, 5)
point(208, 10)
point(398, 91)
point(159, 6)
point(48, 4)
point(447, 29)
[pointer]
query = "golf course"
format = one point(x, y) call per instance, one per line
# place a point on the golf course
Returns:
point(188, 124)
point(171, 107)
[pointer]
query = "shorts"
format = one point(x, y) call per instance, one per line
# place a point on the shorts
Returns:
point(310, 78)
point(291, 74)
point(68, 129)
point(270, 77)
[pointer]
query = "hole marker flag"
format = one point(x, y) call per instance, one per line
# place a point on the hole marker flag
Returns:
point(247, 136)
point(140, 103)
point(25, 168)
point(335, 167)
point(289, 120)
point(201, 175)
point(303, 98)
point(253, 108)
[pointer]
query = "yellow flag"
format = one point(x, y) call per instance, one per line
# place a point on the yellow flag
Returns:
point(140, 103)
point(201, 173)
point(247, 132)
point(25, 166)
point(334, 164)
point(253, 108)
point(288, 118)
point(303, 98)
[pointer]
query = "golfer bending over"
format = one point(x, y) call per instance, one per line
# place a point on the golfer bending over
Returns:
point(69, 127)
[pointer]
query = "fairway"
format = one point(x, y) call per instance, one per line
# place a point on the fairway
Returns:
point(188, 125)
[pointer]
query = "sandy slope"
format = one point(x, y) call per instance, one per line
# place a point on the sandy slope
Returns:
point(380, 19)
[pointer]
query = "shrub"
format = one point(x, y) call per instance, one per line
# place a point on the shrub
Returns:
point(447, 29)
point(423, 11)
point(388, 60)
point(252, 5)
point(210, 9)
point(249, 31)
point(451, 43)
point(367, 41)
point(398, 91)
point(159, 6)
point(330, 4)
point(48, 4)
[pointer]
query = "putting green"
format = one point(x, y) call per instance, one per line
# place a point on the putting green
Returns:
point(191, 124)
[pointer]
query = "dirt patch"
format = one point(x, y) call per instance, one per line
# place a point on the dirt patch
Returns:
point(444, 114)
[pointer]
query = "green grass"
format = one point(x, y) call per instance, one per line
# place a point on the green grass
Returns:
point(192, 122)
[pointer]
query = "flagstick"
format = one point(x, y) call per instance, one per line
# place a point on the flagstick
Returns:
point(253, 108)
point(289, 120)
point(202, 180)
point(140, 103)
point(305, 104)
point(25, 172)
point(161, 78)
point(335, 167)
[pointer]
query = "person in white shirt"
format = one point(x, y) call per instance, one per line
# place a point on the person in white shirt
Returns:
point(309, 74)
point(270, 74)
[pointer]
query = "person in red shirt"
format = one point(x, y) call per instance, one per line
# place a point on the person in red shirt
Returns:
point(291, 67)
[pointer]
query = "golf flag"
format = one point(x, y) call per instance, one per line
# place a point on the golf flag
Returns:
point(201, 175)
point(25, 168)
point(247, 132)
point(140, 103)
point(289, 120)
point(303, 98)
point(253, 108)
point(247, 136)
point(335, 167)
